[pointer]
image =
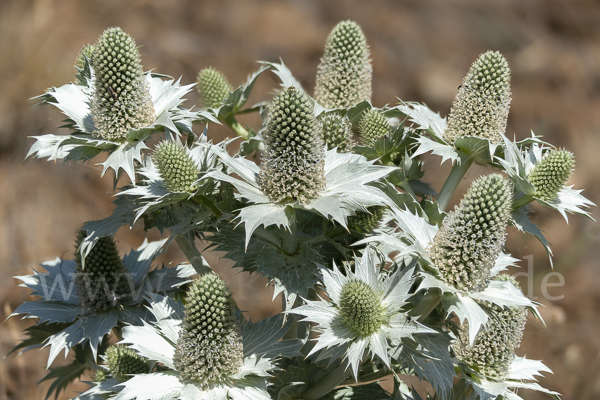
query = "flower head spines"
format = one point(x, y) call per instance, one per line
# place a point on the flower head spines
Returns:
point(102, 281)
point(213, 87)
point(550, 175)
point(470, 240)
point(345, 72)
point(177, 168)
point(481, 105)
point(494, 347)
point(210, 347)
point(372, 126)
point(365, 222)
point(121, 99)
point(292, 168)
point(337, 132)
point(86, 52)
point(123, 361)
point(361, 309)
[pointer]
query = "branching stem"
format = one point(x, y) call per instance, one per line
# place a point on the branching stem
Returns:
point(187, 245)
point(456, 175)
point(237, 127)
point(522, 201)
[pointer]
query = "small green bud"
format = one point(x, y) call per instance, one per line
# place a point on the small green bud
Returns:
point(337, 132)
point(292, 167)
point(86, 51)
point(123, 361)
point(508, 278)
point(365, 222)
point(121, 99)
point(103, 282)
point(372, 126)
point(177, 169)
point(494, 346)
point(209, 349)
point(481, 105)
point(467, 245)
point(100, 375)
point(213, 87)
point(345, 73)
point(550, 175)
point(360, 308)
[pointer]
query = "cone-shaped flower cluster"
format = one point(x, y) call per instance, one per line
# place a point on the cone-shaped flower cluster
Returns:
point(123, 362)
point(213, 87)
point(86, 51)
point(103, 282)
point(481, 105)
point(209, 349)
point(550, 175)
point(361, 308)
point(372, 126)
point(177, 169)
point(494, 347)
point(365, 222)
point(292, 168)
point(345, 73)
point(121, 98)
point(337, 132)
point(470, 240)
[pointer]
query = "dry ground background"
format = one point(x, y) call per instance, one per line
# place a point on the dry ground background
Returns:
point(420, 51)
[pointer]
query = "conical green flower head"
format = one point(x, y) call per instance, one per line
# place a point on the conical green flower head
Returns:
point(372, 126)
point(103, 282)
point(550, 175)
point(123, 362)
point(86, 52)
point(467, 245)
point(494, 346)
point(365, 222)
point(209, 349)
point(292, 167)
point(121, 99)
point(345, 73)
point(481, 105)
point(213, 87)
point(100, 375)
point(177, 169)
point(360, 308)
point(337, 132)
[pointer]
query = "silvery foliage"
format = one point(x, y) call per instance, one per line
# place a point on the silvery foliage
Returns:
point(357, 306)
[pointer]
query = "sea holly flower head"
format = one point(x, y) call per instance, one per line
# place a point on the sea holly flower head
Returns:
point(177, 168)
point(345, 72)
point(337, 131)
point(213, 87)
point(372, 126)
point(123, 362)
point(481, 106)
point(366, 222)
point(551, 173)
point(82, 64)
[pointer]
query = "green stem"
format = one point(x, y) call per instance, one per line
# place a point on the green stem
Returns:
point(251, 109)
point(268, 236)
point(237, 127)
point(427, 304)
point(406, 186)
point(327, 384)
point(521, 201)
point(187, 245)
point(456, 175)
point(204, 201)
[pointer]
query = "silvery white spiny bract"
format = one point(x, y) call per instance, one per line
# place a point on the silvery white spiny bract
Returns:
point(326, 200)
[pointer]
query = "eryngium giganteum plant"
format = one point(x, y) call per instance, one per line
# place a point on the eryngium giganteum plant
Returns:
point(419, 291)
point(345, 73)
point(121, 99)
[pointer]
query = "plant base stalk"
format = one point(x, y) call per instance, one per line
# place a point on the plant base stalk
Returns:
point(456, 175)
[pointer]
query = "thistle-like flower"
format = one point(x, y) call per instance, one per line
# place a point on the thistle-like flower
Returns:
point(293, 159)
point(550, 174)
point(481, 105)
point(102, 281)
point(365, 222)
point(123, 362)
point(372, 126)
point(337, 132)
point(345, 73)
point(470, 240)
point(209, 349)
point(176, 166)
point(213, 87)
point(121, 98)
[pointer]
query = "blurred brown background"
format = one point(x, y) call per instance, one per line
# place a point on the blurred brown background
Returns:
point(420, 52)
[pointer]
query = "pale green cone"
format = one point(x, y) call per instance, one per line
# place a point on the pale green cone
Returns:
point(86, 51)
point(121, 99)
point(470, 240)
point(103, 282)
point(337, 132)
point(481, 105)
point(361, 308)
point(209, 349)
point(292, 168)
point(177, 169)
point(372, 126)
point(345, 73)
point(123, 361)
point(213, 87)
point(551, 174)
point(365, 222)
